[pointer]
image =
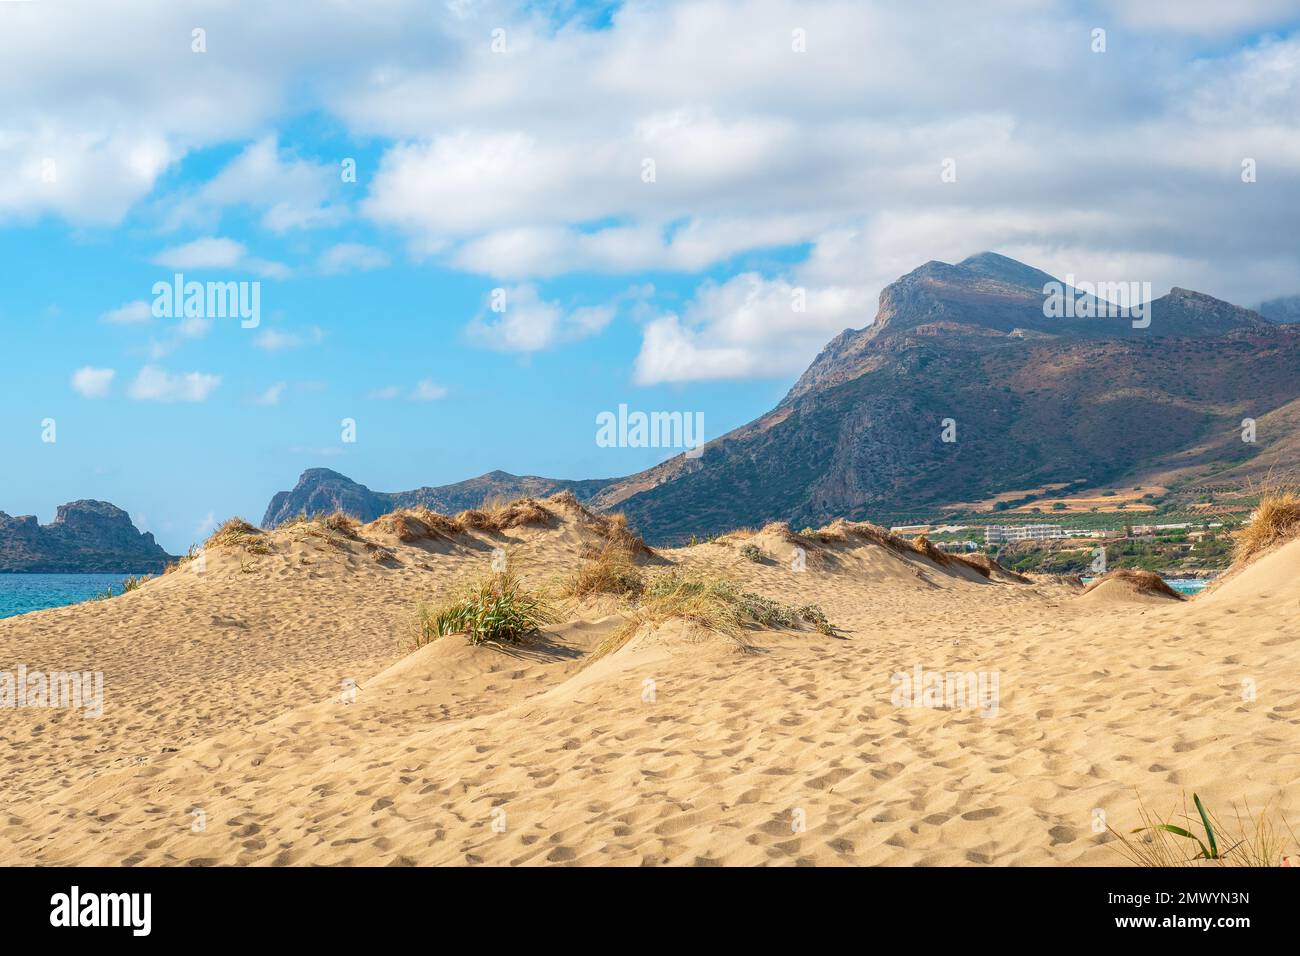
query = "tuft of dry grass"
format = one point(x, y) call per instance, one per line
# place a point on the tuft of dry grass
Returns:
point(1277, 519)
point(613, 528)
point(238, 533)
point(1146, 582)
point(612, 570)
point(340, 522)
point(987, 564)
point(927, 548)
point(475, 520)
point(190, 554)
point(711, 604)
point(525, 511)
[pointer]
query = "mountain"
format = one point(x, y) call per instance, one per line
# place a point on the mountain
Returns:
point(84, 537)
point(1036, 397)
point(1034, 400)
point(321, 491)
point(1283, 310)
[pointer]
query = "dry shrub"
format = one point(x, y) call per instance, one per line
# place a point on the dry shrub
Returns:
point(1144, 582)
point(238, 533)
point(1277, 519)
point(988, 564)
point(525, 511)
point(438, 524)
point(475, 520)
point(711, 604)
point(613, 528)
point(340, 522)
point(612, 570)
point(925, 547)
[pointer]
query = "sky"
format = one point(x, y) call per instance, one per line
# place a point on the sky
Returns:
point(474, 227)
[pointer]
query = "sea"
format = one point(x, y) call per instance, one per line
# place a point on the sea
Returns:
point(1188, 586)
point(20, 593)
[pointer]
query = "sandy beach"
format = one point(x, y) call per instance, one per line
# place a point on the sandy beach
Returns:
point(269, 710)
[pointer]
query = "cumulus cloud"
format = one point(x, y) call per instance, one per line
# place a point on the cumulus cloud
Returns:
point(351, 257)
point(272, 395)
point(129, 313)
point(90, 382)
point(524, 322)
point(216, 252)
point(427, 391)
point(277, 340)
point(706, 133)
point(158, 385)
point(745, 327)
point(290, 192)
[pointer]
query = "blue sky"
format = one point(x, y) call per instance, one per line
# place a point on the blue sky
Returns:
point(522, 167)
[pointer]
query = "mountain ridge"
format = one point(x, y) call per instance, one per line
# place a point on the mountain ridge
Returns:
point(86, 536)
point(1034, 399)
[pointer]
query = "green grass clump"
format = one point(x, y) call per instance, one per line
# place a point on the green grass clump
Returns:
point(753, 552)
point(496, 609)
point(713, 604)
point(1205, 839)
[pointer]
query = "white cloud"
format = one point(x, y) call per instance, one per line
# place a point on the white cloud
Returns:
point(293, 193)
point(748, 326)
point(92, 382)
point(426, 391)
point(129, 313)
point(276, 340)
point(158, 385)
point(1208, 17)
point(214, 252)
point(527, 323)
point(192, 327)
point(272, 395)
point(351, 257)
point(486, 165)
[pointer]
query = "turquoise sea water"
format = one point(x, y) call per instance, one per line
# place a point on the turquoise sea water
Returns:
point(1188, 586)
point(20, 593)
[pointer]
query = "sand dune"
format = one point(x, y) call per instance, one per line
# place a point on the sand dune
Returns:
point(227, 692)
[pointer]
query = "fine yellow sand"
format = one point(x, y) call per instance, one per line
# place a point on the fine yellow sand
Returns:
point(228, 736)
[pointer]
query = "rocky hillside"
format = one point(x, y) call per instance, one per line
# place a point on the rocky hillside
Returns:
point(321, 491)
point(1032, 400)
point(84, 537)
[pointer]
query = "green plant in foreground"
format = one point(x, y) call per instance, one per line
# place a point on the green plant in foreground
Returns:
point(131, 583)
point(495, 610)
point(1210, 852)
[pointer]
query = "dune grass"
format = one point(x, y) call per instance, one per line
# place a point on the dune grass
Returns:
point(712, 604)
point(1196, 836)
point(496, 609)
point(238, 533)
point(1277, 519)
point(1145, 582)
point(611, 570)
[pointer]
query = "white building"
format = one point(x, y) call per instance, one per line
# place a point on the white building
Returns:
point(1002, 533)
